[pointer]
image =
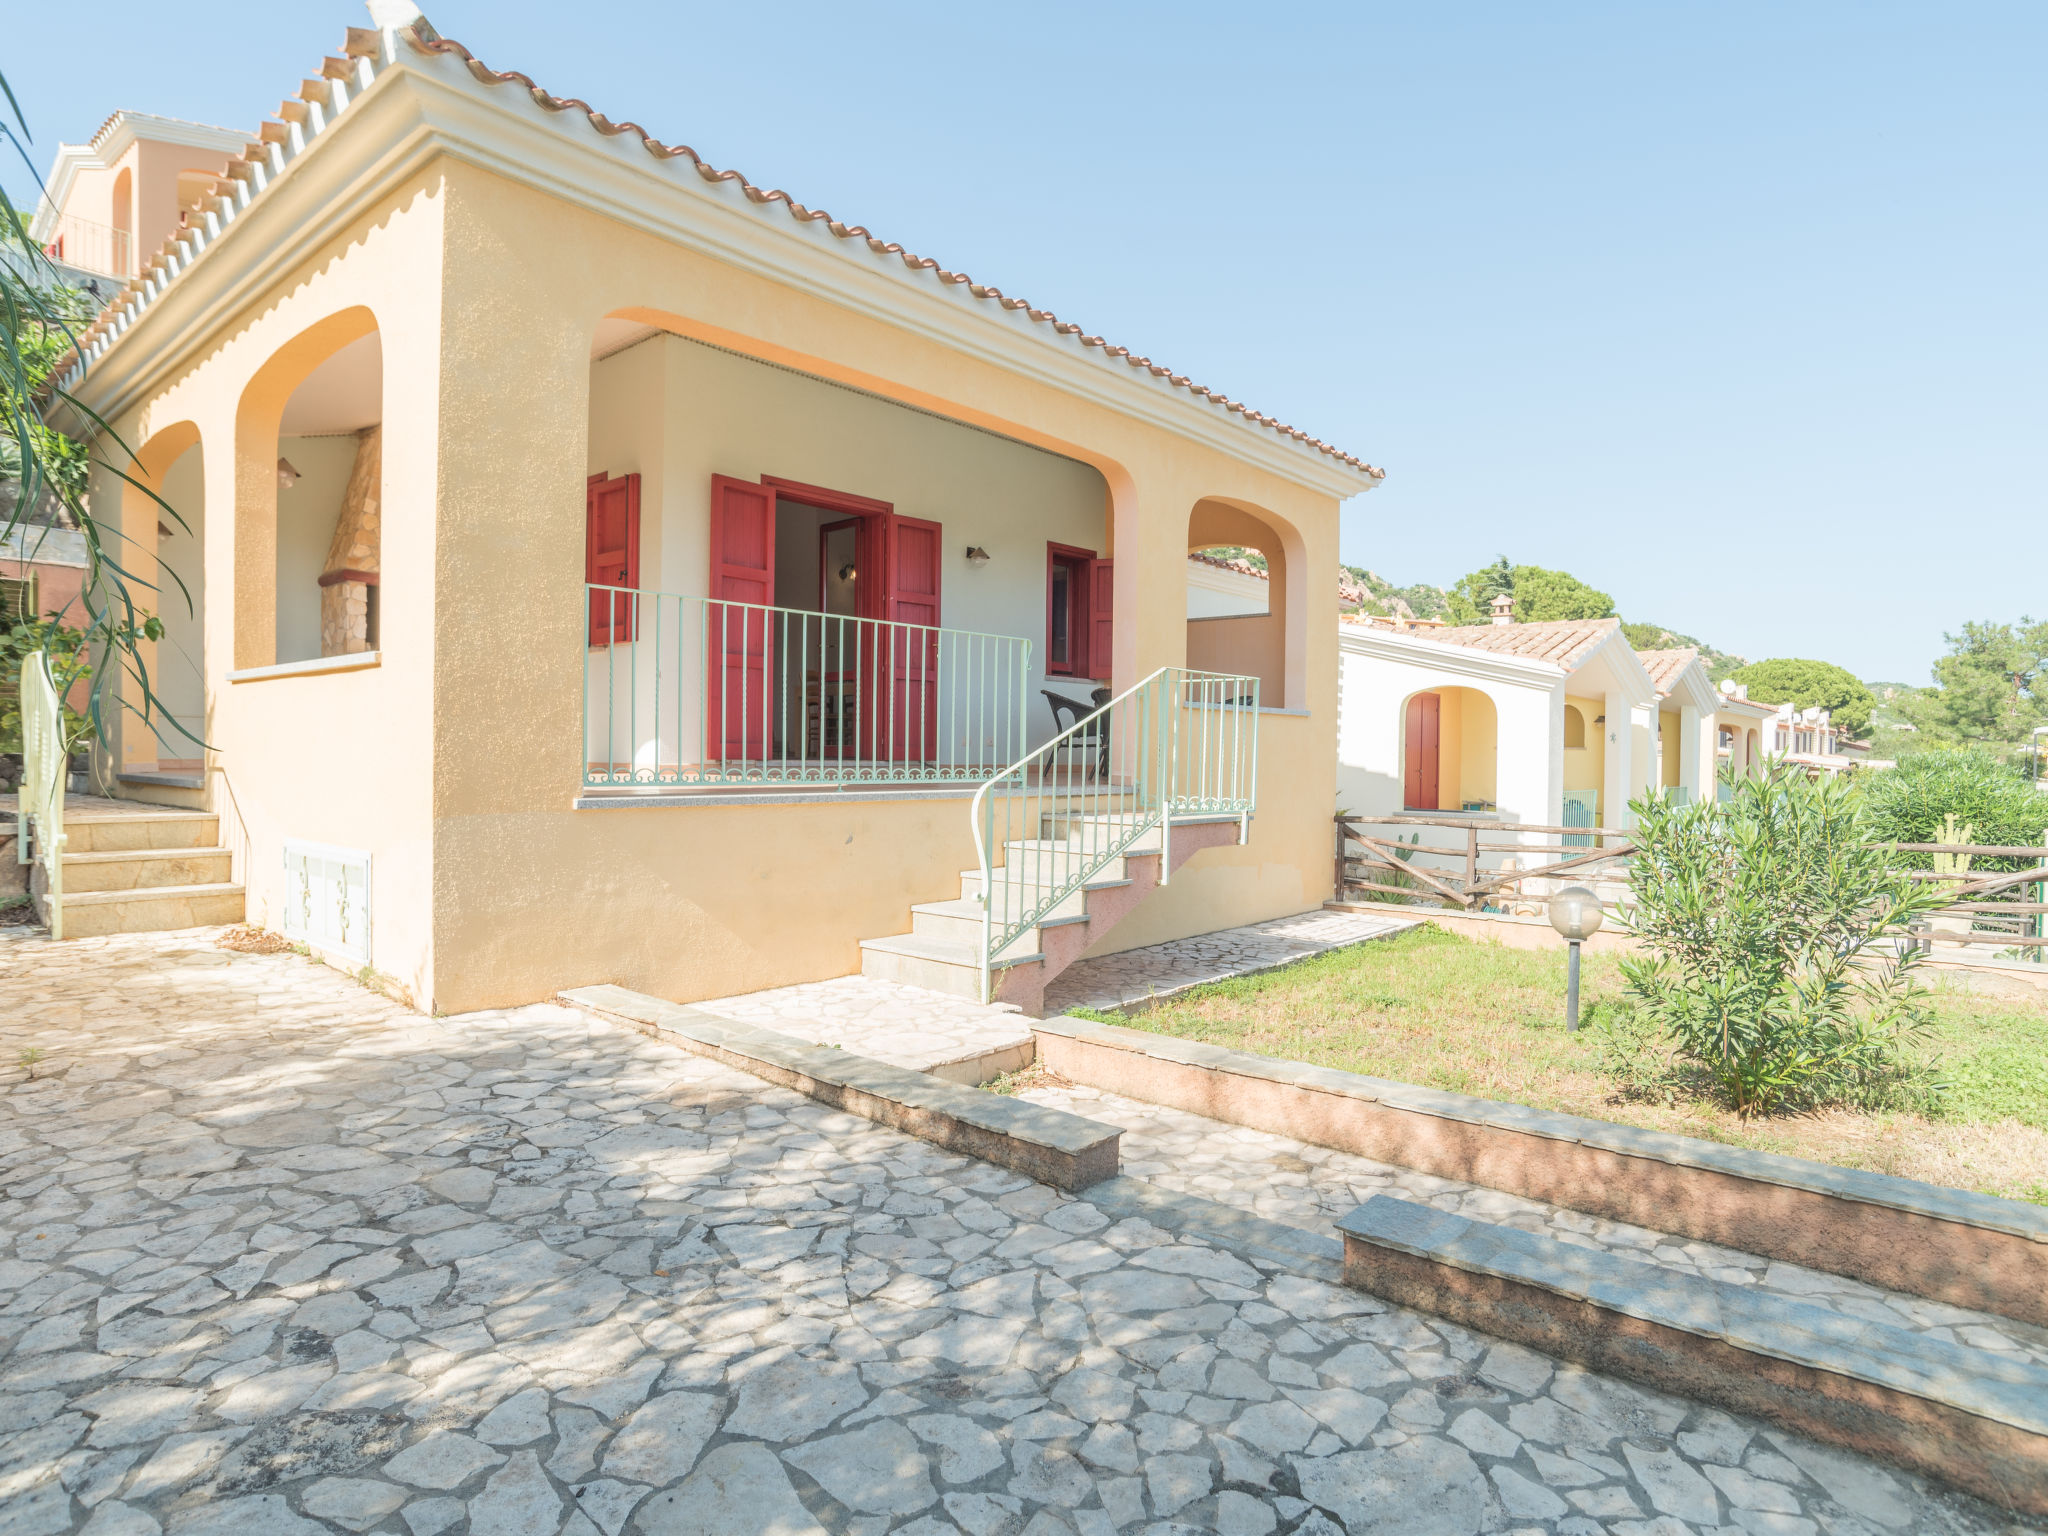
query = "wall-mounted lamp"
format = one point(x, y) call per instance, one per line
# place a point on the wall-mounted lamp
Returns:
point(976, 555)
point(846, 571)
point(287, 477)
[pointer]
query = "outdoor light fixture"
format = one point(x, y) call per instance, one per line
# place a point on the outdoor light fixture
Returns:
point(846, 571)
point(1575, 912)
point(976, 555)
point(287, 477)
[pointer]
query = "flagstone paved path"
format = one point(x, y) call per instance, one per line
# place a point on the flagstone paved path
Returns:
point(1158, 970)
point(279, 1257)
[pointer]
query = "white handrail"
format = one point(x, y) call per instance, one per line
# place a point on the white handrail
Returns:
point(45, 762)
point(1178, 743)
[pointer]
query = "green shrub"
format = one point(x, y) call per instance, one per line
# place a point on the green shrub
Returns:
point(1770, 920)
point(1910, 803)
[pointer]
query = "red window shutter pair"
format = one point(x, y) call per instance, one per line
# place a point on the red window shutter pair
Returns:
point(611, 554)
point(1089, 619)
point(898, 706)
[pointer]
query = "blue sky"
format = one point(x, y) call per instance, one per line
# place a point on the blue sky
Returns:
point(1735, 311)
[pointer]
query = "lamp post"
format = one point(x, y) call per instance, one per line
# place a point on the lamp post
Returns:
point(1576, 913)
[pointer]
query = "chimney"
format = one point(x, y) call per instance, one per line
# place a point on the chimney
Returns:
point(1504, 609)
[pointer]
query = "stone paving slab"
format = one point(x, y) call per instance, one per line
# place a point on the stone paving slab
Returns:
point(1138, 976)
point(1065, 1150)
point(1298, 1184)
point(915, 1027)
point(278, 1256)
point(1953, 1246)
point(1975, 1417)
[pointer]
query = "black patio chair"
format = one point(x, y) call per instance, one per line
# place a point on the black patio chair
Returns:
point(1094, 732)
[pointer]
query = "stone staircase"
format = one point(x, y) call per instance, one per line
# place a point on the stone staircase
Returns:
point(942, 950)
point(139, 871)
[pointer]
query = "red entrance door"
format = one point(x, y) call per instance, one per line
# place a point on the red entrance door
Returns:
point(1425, 712)
point(738, 645)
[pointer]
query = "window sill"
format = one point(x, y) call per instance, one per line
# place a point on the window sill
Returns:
point(316, 667)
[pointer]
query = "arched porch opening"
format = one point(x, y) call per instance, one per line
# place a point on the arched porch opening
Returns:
point(1450, 751)
point(165, 545)
point(1257, 630)
point(309, 497)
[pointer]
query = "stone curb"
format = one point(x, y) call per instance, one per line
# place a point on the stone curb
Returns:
point(1235, 1231)
point(1049, 1145)
point(1971, 1417)
point(1966, 1249)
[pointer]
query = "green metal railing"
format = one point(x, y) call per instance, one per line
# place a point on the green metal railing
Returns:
point(694, 691)
point(45, 761)
point(1180, 745)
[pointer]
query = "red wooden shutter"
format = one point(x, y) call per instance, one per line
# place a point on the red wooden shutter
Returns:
point(1424, 716)
point(737, 706)
point(1101, 619)
point(611, 553)
point(912, 598)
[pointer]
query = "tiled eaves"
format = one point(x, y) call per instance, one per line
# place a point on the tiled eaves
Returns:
point(1235, 567)
point(368, 53)
point(424, 38)
point(300, 119)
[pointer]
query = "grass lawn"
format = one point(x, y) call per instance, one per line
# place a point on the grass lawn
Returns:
point(1429, 1007)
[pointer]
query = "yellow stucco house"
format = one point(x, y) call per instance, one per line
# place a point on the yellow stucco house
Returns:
point(610, 570)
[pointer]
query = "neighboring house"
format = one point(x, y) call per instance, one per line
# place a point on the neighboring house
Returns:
point(42, 570)
point(1550, 724)
point(1686, 721)
point(1226, 589)
point(139, 181)
point(732, 551)
point(1742, 729)
point(1809, 738)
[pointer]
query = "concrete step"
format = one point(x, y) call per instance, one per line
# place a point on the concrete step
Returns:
point(1976, 1418)
point(970, 883)
point(959, 922)
point(1011, 902)
point(144, 869)
point(88, 914)
point(141, 829)
point(1050, 859)
point(943, 965)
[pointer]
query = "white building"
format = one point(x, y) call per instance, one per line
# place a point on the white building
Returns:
point(1549, 724)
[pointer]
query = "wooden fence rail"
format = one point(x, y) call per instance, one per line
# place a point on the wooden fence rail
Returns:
point(2017, 923)
point(1467, 887)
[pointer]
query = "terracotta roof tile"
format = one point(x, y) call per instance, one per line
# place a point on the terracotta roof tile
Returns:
point(423, 37)
point(1241, 566)
point(280, 142)
point(1562, 642)
point(1664, 666)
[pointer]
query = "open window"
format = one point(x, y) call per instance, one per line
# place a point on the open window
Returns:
point(1079, 612)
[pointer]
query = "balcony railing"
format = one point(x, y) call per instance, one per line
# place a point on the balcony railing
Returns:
point(90, 247)
point(702, 692)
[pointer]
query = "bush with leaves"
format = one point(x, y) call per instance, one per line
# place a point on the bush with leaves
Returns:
point(1912, 802)
point(71, 665)
point(50, 441)
point(1772, 923)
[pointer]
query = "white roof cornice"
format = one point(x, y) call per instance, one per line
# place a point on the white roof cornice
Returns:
point(407, 102)
point(1456, 660)
point(112, 141)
